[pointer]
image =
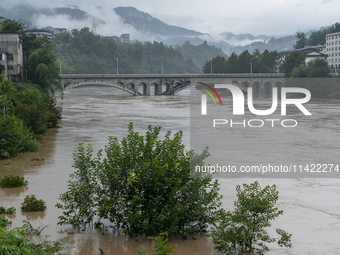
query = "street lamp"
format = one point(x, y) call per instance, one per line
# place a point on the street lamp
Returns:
point(117, 64)
point(211, 66)
point(251, 65)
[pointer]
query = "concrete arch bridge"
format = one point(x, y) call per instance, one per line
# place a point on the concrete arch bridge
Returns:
point(139, 84)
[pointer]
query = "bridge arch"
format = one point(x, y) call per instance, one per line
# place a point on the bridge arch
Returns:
point(279, 85)
point(118, 85)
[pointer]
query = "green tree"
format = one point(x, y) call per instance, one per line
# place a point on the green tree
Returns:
point(244, 62)
point(232, 64)
point(10, 26)
point(42, 69)
point(301, 40)
point(256, 61)
point(244, 229)
point(144, 186)
point(14, 137)
point(295, 59)
point(300, 72)
point(318, 68)
point(218, 65)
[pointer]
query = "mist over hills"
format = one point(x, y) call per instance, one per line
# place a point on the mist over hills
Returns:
point(142, 27)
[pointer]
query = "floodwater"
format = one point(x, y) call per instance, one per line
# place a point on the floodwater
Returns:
point(91, 114)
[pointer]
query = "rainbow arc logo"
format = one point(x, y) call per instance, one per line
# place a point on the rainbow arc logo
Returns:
point(208, 92)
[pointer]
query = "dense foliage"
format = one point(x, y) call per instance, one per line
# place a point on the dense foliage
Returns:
point(295, 59)
point(4, 210)
point(266, 62)
point(319, 37)
point(316, 68)
point(143, 186)
point(244, 229)
point(27, 109)
point(10, 181)
point(301, 40)
point(15, 241)
point(83, 52)
point(31, 204)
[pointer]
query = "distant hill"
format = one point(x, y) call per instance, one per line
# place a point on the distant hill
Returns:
point(157, 30)
point(278, 44)
point(241, 37)
point(25, 12)
point(144, 22)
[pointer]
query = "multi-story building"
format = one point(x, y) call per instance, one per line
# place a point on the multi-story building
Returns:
point(58, 30)
point(11, 56)
point(333, 51)
point(125, 38)
point(40, 33)
point(310, 52)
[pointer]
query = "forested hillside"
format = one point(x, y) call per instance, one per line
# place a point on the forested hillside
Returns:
point(83, 52)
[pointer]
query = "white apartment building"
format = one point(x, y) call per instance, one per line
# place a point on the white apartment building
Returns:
point(11, 56)
point(333, 51)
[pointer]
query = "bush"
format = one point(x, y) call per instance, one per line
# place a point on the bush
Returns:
point(4, 222)
point(10, 181)
point(7, 162)
point(31, 204)
point(14, 241)
point(4, 210)
point(244, 228)
point(144, 186)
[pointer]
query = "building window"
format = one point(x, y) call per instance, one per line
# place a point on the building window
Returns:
point(10, 68)
point(336, 54)
point(332, 43)
point(336, 48)
point(10, 57)
point(336, 42)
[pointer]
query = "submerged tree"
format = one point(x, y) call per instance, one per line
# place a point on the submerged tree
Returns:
point(144, 186)
point(243, 230)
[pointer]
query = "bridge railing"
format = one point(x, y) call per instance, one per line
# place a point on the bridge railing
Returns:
point(135, 76)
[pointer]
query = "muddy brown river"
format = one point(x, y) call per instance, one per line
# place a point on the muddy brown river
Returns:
point(91, 114)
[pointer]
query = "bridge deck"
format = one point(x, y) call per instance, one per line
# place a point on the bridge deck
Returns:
point(178, 76)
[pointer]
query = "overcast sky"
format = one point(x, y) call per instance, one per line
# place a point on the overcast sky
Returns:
point(270, 17)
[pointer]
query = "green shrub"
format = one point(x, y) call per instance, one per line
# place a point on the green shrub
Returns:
point(7, 162)
point(10, 181)
point(31, 204)
point(243, 231)
point(4, 223)
point(14, 241)
point(4, 210)
point(161, 246)
point(144, 186)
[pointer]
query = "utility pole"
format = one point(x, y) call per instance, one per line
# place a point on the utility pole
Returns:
point(211, 66)
point(162, 66)
point(251, 65)
point(117, 64)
